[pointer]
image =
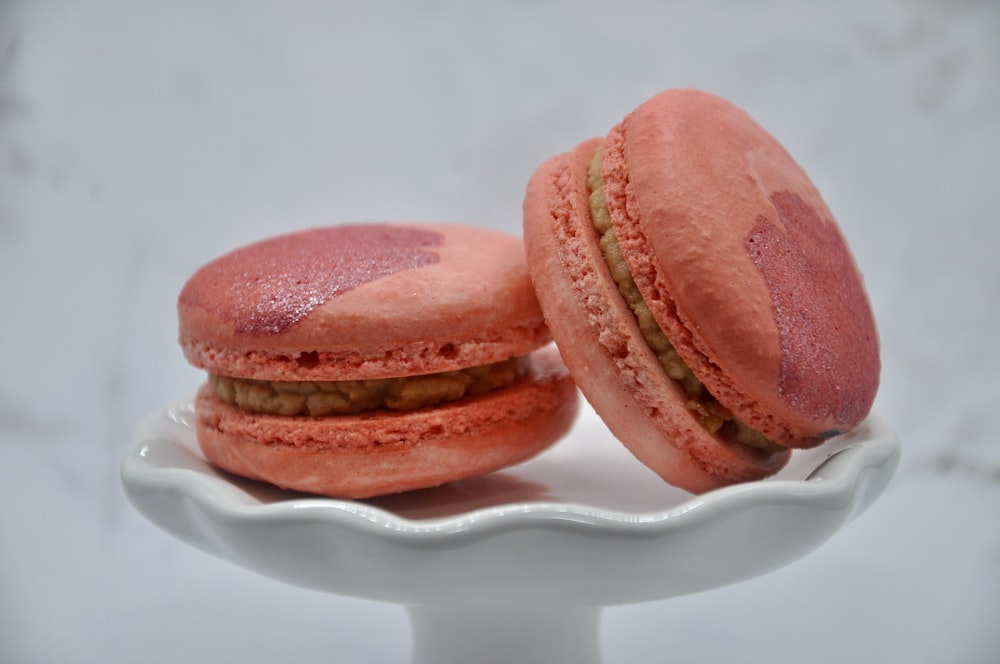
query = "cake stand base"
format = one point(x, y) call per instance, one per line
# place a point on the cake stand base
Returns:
point(512, 566)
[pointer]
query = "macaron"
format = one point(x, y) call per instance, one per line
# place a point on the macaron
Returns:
point(362, 360)
point(701, 292)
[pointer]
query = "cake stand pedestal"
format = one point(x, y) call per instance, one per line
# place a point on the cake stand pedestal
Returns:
point(491, 635)
point(514, 566)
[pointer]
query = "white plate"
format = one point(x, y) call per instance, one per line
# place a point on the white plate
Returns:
point(582, 525)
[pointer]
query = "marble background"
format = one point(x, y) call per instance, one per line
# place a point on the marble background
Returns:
point(139, 140)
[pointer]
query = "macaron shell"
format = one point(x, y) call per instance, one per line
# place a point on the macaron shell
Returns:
point(743, 266)
point(462, 298)
point(385, 452)
point(603, 347)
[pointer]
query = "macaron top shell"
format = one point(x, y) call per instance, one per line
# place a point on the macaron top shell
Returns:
point(362, 302)
point(742, 265)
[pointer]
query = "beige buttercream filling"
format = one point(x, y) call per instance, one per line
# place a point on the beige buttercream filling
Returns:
point(712, 415)
point(320, 398)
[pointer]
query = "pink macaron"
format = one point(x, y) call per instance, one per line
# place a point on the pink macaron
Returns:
point(700, 291)
point(363, 360)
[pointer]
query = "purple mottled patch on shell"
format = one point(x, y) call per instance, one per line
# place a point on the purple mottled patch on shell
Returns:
point(268, 287)
point(829, 347)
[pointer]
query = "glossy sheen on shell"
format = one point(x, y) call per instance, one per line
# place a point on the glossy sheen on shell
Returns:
point(362, 302)
point(269, 287)
point(740, 263)
point(743, 265)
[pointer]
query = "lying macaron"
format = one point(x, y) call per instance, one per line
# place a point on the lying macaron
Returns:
point(701, 293)
point(363, 360)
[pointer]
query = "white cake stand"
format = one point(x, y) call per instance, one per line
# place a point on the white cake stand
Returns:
point(514, 566)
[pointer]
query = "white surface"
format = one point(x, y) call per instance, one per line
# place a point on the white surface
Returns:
point(619, 534)
point(473, 561)
point(139, 140)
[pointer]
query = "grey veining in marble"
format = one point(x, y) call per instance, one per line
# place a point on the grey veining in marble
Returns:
point(139, 140)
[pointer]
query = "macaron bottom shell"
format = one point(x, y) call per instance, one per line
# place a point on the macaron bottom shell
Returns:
point(383, 452)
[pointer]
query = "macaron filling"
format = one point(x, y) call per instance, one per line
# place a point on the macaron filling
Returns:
point(324, 398)
point(713, 416)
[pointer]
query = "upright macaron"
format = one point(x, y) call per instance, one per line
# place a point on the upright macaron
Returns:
point(369, 359)
point(701, 293)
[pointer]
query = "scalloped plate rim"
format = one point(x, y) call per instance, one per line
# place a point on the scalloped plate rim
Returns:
point(836, 490)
